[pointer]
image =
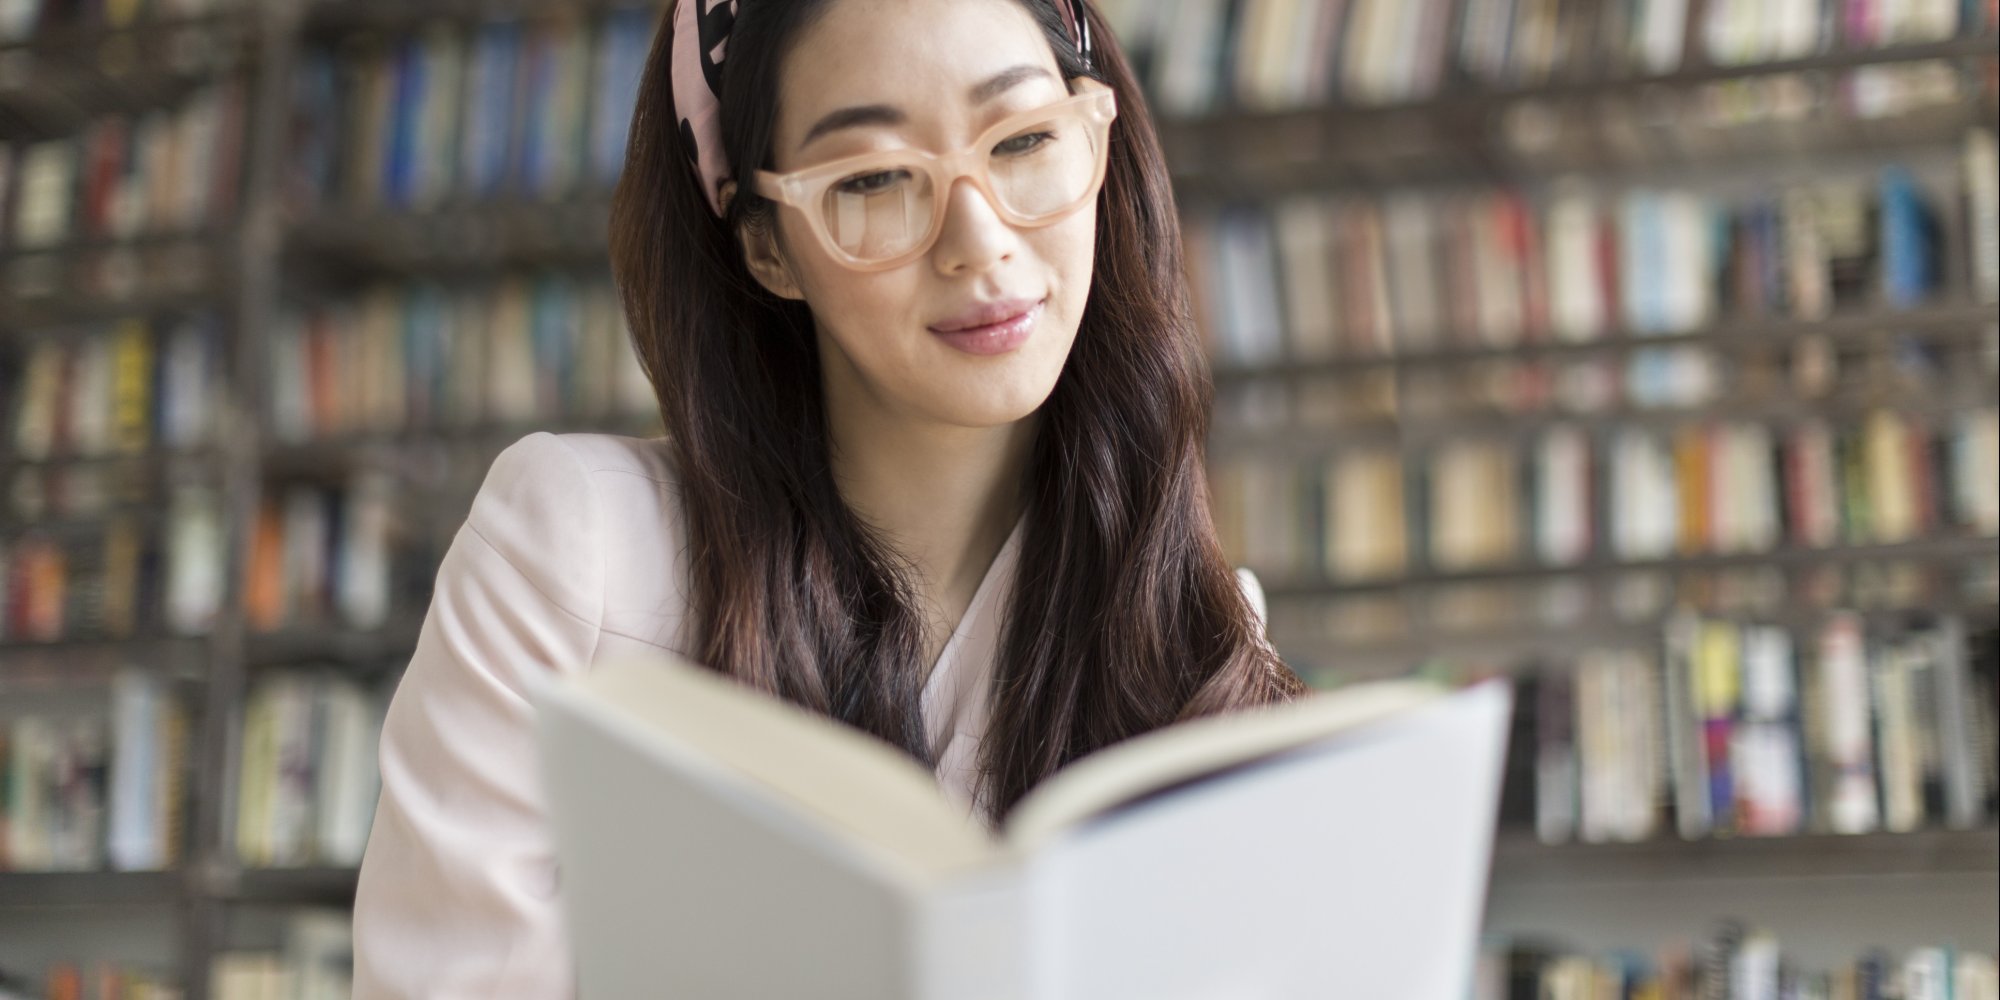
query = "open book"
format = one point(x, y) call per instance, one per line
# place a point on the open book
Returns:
point(716, 843)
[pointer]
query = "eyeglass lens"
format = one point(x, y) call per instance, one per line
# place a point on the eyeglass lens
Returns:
point(1037, 171)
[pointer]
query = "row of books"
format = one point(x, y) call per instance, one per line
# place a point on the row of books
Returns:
point(312, 961)
point(323, 553)
point(424, 356)
point(132, 575)
point(92, 981)
point(1756, 377)
point(118, 388)
point(1570, 495)
point(535, 109)
point(1199, 56)
point(307, 782)
point(1735, 962)
point(171, 170)
point(1746, 728)
point(23, 20)
point(1319, 276)
point(98, 789)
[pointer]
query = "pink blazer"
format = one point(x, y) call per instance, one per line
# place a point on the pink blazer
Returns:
point(574, 551)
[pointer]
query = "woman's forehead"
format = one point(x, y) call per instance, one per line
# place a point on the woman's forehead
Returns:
point(924, 59)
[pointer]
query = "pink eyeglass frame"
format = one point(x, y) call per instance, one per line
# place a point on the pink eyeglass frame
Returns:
point(803, 189)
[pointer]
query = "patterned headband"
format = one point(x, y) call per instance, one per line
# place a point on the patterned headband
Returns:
point(701, 33)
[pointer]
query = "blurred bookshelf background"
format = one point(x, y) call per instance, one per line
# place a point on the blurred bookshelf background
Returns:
point(1646, 351)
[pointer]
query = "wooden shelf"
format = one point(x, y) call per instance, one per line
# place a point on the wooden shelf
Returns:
point(98, 280)
point(312, 886)
point(468, 237)
point(152, 461)
point(329, 18)
point(389, 447)
point(1533, 645)
point(1943, 548)
point(58, 81)
point(1518, 859)
point(1417, 431)
point(49, 889)
point(1963, 319)
point(350, 646)
point(1461, 132)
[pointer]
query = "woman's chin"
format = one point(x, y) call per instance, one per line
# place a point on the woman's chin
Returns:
point(992, 405)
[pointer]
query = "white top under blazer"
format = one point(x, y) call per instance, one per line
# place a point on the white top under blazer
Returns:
point(573, 552)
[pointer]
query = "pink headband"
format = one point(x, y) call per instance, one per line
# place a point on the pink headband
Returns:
point(699, 41)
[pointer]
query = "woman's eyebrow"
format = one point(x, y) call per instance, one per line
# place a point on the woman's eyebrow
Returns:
point(888, 114)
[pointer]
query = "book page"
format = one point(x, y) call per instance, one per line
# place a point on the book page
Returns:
point(1117, 774)
point(849, 782)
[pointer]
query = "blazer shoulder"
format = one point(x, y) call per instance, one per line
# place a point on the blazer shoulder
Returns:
point(539, 509)
point(617, 454)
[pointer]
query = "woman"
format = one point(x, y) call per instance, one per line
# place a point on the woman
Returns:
point(935, 462)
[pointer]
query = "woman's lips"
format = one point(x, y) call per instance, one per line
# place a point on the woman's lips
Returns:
point(995, 338)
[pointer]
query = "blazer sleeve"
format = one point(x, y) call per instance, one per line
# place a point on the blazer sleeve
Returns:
point(457, 894)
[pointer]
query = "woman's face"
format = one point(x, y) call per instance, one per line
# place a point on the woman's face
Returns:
point(924, 59)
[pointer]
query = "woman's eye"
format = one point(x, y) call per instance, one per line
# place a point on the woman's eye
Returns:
point(872, 183)
point(1026, 142)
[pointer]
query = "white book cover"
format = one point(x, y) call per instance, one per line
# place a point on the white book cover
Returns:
point(368, 520)
point(1482, 38)
point(1977, 455)
point(1187, 65)
point(43, 201)
point(1766, 757)
point(318, 955)
point(132, 841)
point(1563, 509)
point(1662, 35)
point(1982, 194)
point(31, 755)
point(1410, 223)
point(1305, 257)
point(1688, 261)
point(1259, 27)
point(1576, 300)
point(195, 565)
point(1975, 978)
point(346, 786)
point(718, 843)
point(1850, 745)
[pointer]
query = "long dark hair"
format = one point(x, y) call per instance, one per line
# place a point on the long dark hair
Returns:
point(1125, 616)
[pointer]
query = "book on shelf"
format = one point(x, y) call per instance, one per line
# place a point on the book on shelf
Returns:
point(170, 170)
point(23, 20)
point(118, 578)
point(1769, 731)
point(429, 357)
point(1567, 494)
point(800, 823)
point(313, 961)
point(103, 980)
point(1198, 56)
point(117, 388)
point(307, 774)
point(97, 787)
point(1732, 960)
point(535, 108)
point(322, 554)
point(1319, 277)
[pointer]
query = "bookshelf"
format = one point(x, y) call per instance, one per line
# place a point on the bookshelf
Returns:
point(301, 246)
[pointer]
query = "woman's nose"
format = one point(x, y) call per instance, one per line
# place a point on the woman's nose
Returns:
point(973, 236)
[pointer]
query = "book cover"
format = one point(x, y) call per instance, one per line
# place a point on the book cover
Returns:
point(856, 870)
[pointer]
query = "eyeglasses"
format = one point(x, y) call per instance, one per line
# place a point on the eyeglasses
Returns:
point(880, 210)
